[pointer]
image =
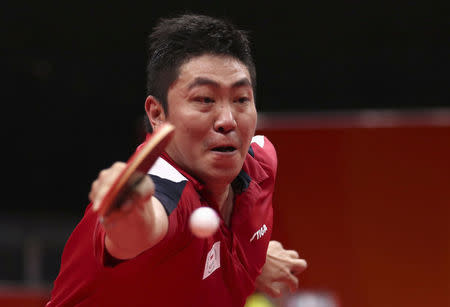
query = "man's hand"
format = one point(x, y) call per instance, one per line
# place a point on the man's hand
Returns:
point(279, 270)
point(138, 224)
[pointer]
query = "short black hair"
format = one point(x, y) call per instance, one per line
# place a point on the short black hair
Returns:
point(176, 40)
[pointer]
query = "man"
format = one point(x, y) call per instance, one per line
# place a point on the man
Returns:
point(201, 78)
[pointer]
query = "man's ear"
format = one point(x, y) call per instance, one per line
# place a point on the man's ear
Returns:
point(155, 111)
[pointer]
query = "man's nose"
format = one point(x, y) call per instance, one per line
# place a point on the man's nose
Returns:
point(225, 121)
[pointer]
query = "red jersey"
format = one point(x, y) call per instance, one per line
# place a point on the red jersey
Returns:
point(181, 270)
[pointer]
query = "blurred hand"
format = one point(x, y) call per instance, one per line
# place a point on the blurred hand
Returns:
point(280, 270)
point(137, 224)
point(141, 192)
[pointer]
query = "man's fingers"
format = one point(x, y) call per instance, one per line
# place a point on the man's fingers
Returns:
point(103, 182)
point(273, 291)
point(144, 188)
point(275, 244)
point(141, 189)
point(293, 285)
point(98, 197)
point(298, 266)
point(292, 253)
point(126, 206)
point(291, 281)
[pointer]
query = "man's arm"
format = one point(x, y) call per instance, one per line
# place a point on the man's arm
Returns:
point(280, 270)
point(139, 224)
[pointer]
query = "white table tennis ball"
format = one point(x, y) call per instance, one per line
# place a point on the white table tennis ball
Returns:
point(204, 222)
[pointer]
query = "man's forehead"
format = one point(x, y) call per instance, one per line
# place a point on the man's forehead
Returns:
point(204, 81)
point(214, 70)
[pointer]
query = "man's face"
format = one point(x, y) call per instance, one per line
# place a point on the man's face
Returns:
point(212, 107)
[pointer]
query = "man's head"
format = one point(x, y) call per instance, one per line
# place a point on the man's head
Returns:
point(206, 89)
point(174, 41)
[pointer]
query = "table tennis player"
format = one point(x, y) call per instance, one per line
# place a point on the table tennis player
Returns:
point(202, 79)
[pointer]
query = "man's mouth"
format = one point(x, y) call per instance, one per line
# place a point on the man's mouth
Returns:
point(224, 149)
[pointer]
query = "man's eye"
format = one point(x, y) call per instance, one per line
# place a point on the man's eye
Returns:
point(204, 99)
point(242, 99)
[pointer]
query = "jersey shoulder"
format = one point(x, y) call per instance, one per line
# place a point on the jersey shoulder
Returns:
point(262, 149)
point(169, 184)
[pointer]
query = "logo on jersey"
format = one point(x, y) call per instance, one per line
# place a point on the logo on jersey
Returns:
point(212, 260)
point(260, 233)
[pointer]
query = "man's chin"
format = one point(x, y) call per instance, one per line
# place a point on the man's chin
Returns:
point(222, 170)
point(221, 175)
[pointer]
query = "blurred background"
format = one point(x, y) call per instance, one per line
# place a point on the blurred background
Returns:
point(354, 95)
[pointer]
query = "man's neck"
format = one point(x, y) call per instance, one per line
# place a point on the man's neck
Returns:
point(219, 194)
point(223, 197)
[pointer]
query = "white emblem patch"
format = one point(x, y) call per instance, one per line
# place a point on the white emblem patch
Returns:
point(212, 260)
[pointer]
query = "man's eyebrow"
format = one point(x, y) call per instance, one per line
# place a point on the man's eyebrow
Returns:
point(242, 82)
point(199, 81)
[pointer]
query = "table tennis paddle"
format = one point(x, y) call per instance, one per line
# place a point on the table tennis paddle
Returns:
point(136, 169)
